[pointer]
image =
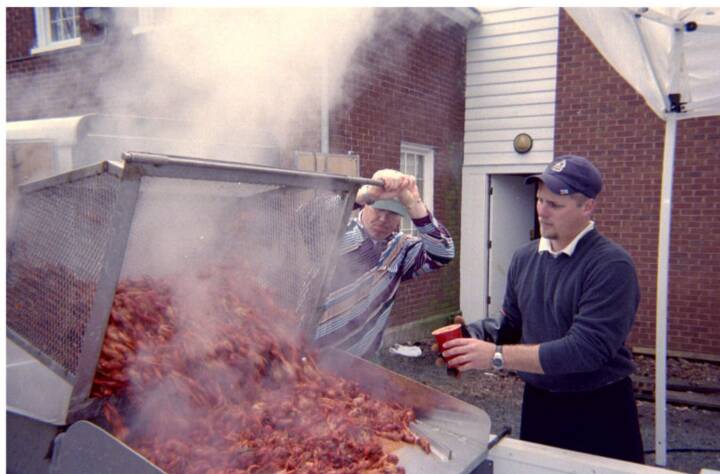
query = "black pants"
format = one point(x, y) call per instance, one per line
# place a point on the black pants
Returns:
point(603, 421)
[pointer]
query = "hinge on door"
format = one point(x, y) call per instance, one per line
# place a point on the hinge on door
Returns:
point(489, 300)
point(489, 244)
point(490, 191)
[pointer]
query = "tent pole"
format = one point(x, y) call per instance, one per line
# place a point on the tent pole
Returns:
point(662, 292)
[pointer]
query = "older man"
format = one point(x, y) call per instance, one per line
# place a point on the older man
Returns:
point(569, 305)
point(375, 257)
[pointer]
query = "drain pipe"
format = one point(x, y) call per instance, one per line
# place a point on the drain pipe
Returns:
point(324, 102)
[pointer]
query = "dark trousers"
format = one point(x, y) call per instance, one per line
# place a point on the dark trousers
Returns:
point(603, 421)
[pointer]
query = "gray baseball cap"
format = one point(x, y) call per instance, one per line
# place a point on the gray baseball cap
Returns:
point(392, 205)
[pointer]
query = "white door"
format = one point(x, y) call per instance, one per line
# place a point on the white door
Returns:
point(512, 223)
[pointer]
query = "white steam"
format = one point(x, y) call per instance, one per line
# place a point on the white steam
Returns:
point(229, 68)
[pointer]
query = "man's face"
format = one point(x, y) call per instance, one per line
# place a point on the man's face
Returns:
point(561, 218)
point(379, 223)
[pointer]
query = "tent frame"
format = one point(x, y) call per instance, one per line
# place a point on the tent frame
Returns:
point(664, 84)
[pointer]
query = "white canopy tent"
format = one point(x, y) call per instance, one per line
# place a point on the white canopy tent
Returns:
point(668, 55)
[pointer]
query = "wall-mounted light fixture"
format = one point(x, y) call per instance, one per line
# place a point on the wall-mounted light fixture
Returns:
point(96, 16)
point(523, 143)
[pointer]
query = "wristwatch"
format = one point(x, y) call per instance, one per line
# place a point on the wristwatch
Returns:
point(498, 362)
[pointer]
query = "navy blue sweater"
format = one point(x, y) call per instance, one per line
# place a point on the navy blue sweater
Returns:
point(579, 308)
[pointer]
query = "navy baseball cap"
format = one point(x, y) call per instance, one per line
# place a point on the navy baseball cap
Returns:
point(570, 174)
point(392, 205)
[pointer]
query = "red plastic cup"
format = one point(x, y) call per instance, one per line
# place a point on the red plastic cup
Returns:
point(445, 334)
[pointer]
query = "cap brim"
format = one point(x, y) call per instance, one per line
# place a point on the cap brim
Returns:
point(554, 184)
point(392, 206)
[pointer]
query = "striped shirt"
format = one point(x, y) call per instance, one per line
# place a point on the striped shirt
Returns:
point(367, 277)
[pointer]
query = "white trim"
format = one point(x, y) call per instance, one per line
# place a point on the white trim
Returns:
point(41, 26)
point(524, 168)
point(428, 169)
point(428, 173)
point(42, 32)
point(56, 46)
point(473, 254)
point(475, 225)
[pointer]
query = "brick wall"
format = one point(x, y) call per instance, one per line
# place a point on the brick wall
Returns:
point(19, 31)
point(599, 115)
point(53, 84)
point(412, 93)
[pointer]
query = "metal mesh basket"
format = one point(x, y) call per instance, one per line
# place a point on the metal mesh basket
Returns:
point(55, 261)
point(196, 223)
point(78, 233)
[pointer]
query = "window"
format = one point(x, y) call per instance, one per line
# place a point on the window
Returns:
point(56, 28)
point(418, 160)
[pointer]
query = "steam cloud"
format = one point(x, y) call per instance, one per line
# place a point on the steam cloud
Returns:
point(225, 69)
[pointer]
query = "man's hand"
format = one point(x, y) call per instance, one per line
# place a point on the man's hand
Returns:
point(395, 182)
point(396, 185)
point(471, 353)
point(468, 353)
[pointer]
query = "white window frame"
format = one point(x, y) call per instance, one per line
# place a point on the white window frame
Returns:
point(428, 158)
point(44, 34)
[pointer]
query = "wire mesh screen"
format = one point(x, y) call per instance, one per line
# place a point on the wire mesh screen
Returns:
point(273, 235)
point(55, 257)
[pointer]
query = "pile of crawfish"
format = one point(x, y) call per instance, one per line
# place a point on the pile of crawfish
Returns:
point(204, 378)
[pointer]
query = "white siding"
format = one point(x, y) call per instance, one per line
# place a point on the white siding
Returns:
point(511, 72)
point(511, 80)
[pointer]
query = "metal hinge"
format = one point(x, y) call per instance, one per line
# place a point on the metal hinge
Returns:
point(489, 244)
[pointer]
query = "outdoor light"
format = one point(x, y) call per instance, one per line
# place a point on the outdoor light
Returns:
point(523, 143)
point(96, 16)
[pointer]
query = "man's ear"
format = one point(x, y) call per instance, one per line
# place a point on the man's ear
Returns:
point(589, 207)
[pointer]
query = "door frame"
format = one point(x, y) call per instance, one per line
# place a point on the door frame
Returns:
point(475, 232)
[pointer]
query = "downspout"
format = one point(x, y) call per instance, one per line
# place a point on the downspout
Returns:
point(324, 102)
